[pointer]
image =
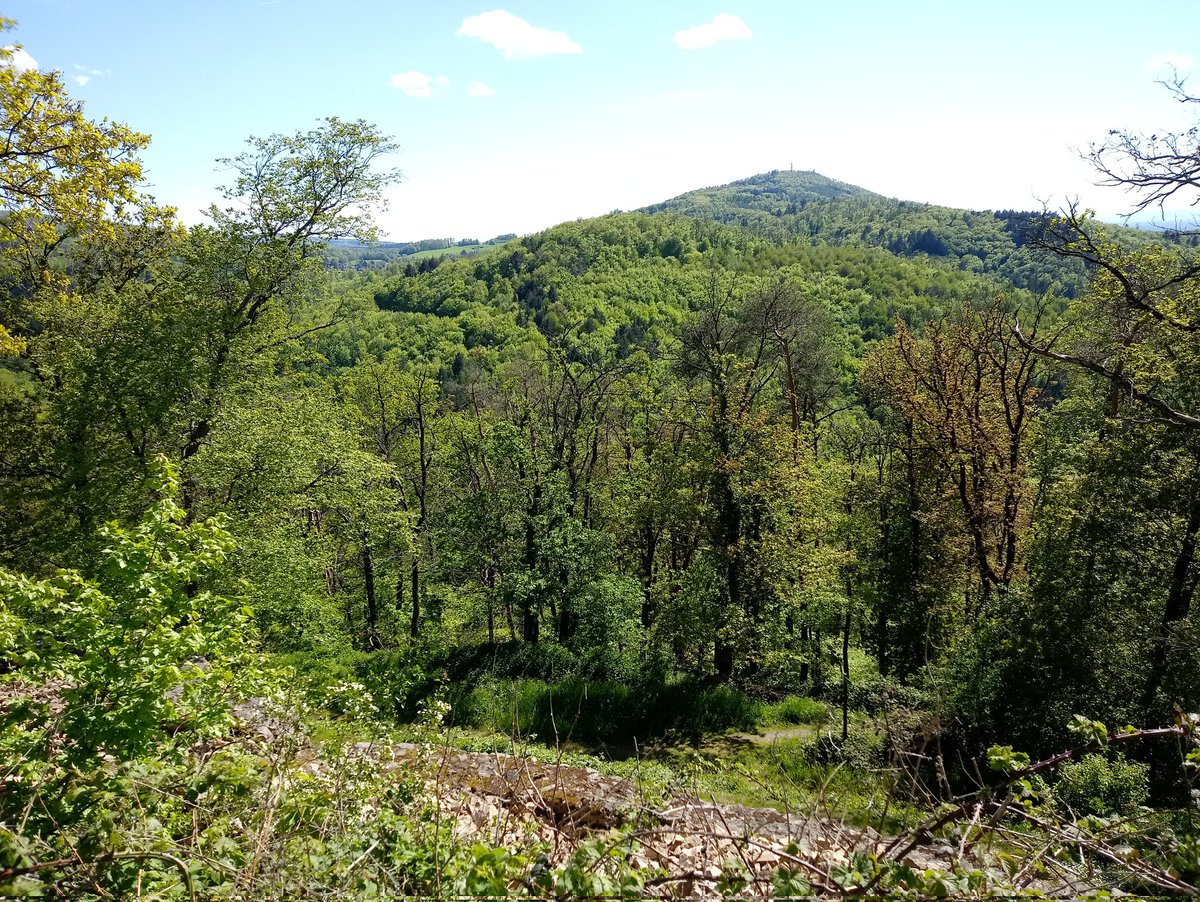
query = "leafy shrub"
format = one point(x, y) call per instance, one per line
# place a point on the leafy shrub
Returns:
point(709, 709)
point(874, 693)
point(1098, 785)
point(781, 670)
point(501, 706)
point(137, 652)
point(391, 679)
point(609, 633)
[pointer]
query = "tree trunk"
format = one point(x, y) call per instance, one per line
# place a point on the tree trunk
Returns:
point(530, 606)
point(489, 581)
point(372, 638)
point(529, 622)
point(723, 659)
point(415, 580)
point(1180, 591)
point(881, 613)
point(846, 666)
point(648, 551)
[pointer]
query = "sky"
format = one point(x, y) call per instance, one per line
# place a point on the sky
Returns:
point(513, 118)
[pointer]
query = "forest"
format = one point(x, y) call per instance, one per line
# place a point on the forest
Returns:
point(779, 495)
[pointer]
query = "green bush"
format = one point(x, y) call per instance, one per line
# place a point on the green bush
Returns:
point(781, 670)
point(1097, 785)
point(694, 710)
point(508, 707)
point(390, 678)
point(135, 654)
point(871, 692)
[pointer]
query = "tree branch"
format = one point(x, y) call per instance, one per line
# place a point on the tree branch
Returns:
point(1169, 413)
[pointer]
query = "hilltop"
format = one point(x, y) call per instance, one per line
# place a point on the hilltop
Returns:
point(779, 192)
point(813, 208)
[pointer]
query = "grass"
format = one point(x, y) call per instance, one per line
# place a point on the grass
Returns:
point(693, 737)
point(604, 714)
point(784, 774)
point(797, 710)
point(787, 773)
point(674, 735)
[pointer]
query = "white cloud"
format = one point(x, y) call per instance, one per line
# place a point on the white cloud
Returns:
point(17, 58)
point(1180, 62)
point(479, 89)
point(514, 36)
point(85, 74)
point(418, 84)
point(723, 27)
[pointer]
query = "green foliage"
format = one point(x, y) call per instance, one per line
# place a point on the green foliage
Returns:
point(1091, 731)
point(61, 173)
point(311, 186)
point(609, 636)
point(598, 484)
point(361, 685)
point(1103, 785)
point(862, 749)
point(140, 649)
point(808, 207)
point(1004, 759)
point(547, 661)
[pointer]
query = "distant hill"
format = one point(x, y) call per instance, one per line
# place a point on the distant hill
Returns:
point(628, 282)
point(776, 193)
point(350, 254)
point(807, 206)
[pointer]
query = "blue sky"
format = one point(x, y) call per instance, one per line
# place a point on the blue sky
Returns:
point(514, 117)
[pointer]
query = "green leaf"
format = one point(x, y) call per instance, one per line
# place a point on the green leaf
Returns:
point(1004, 759)
point(1089, 730)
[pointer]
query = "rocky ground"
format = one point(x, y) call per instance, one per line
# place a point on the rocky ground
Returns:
point(688, 843)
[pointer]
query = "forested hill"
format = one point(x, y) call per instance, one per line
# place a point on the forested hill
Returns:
point(811, 207)
point(629, 281)
point(776, 192)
